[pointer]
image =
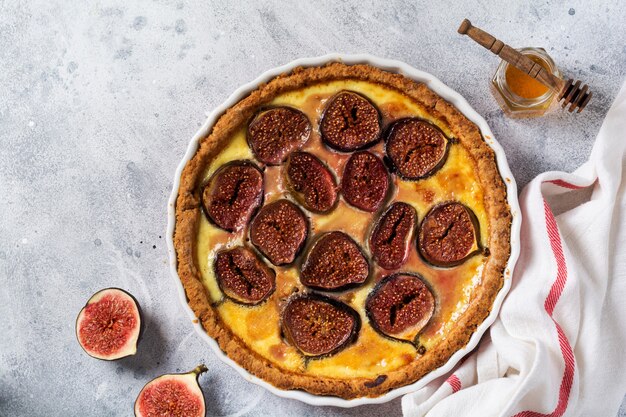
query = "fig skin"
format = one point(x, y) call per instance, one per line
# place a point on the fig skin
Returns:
point(400, 306)
point(159, 396)
point(415, 148)
point(334, 263)
point(309, 320)
point(132, 316)
point(365, 181)
point(350, 122)
point(279, 231)
point(233, 194)
point(391, 238)
point(311, 182)
point(275, 133)
point(244, 277)
point(448, 235)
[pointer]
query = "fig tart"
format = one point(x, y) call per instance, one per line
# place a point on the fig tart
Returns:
point(342, 230)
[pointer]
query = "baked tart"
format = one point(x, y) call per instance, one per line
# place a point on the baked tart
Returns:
point(342, 230)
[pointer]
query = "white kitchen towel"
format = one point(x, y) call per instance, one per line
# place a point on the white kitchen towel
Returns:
point(558, 346)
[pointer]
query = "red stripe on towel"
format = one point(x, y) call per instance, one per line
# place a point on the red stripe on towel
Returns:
point(454, 382)
point(565, 184)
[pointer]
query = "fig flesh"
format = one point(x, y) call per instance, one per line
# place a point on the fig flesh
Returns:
point(416, 148)
point(176, 395)
point(279, 231)
point(109, 326)
point(233, 194)
point(243, 277)
point(350, 122)
point(365, 181)
point(311, 182)
point(335, 262)
point(318, 325)
point(275, 133)
point(391, 237)
point(400, 306)
point(448, 235)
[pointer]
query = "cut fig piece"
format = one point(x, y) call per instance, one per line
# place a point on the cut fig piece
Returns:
point(110, 324)
point(416, 148)
point(233, 194)
point(448, 235)
point(243, 277)
point(365, 181)
point(318, 325)
point(400, 306)
point(334, 263)
point(172, 395)
point(391, 237)
point(311, 182)
point(279, 231)
point(275, 133)
point(350, 122)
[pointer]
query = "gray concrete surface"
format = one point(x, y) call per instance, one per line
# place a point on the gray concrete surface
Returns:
point(98, 101)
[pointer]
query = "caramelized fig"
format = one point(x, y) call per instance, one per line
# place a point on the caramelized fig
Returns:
point(279, 231)
point(365, 181)
point(172, 395)
point(275, 133)
point(243, 277)
point(448, 235)
point(109, 326)
point(334, 262)
point(318, 325)
point(350, 122)
point(233, 194)
point(400, 306)
point(390, 239)
point(311, 182)
point(416, 148)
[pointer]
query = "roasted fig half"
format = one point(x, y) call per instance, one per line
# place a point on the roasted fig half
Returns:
point(172, 395)
point(311, 182)
point(275, 133)
point(415, 148)
point(109, 326)
point(243, 277)
point(279, 231)
point(365, 181)
point(400, 306)
point(333, 263)
point(318, 325)
point(391, 237)
point(448, 235)
point(233, 194)
point(350, 122)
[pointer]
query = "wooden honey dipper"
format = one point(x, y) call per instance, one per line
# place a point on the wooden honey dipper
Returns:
point(570, 92)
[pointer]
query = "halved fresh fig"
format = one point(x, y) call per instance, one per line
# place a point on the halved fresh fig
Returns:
point(350, 122)
point(333, 263)
point(243, 277)
point(318, 325)
point(391, 237)
point(311, 182)
point(172, 395)
point(233, 194)
point(275, 133)
point(448, 235)
point(416, 148)
point(279, 231)
point(110, 324)
point(365, 181)
point(400, 306)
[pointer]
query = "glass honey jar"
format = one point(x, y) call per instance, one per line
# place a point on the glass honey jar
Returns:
point(518, 94)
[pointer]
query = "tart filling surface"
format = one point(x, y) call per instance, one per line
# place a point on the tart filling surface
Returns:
point(368, 249)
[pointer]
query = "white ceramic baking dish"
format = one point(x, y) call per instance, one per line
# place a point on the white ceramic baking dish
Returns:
point(442, 90)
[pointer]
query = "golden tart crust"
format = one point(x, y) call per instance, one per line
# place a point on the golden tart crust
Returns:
point(189, 212)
